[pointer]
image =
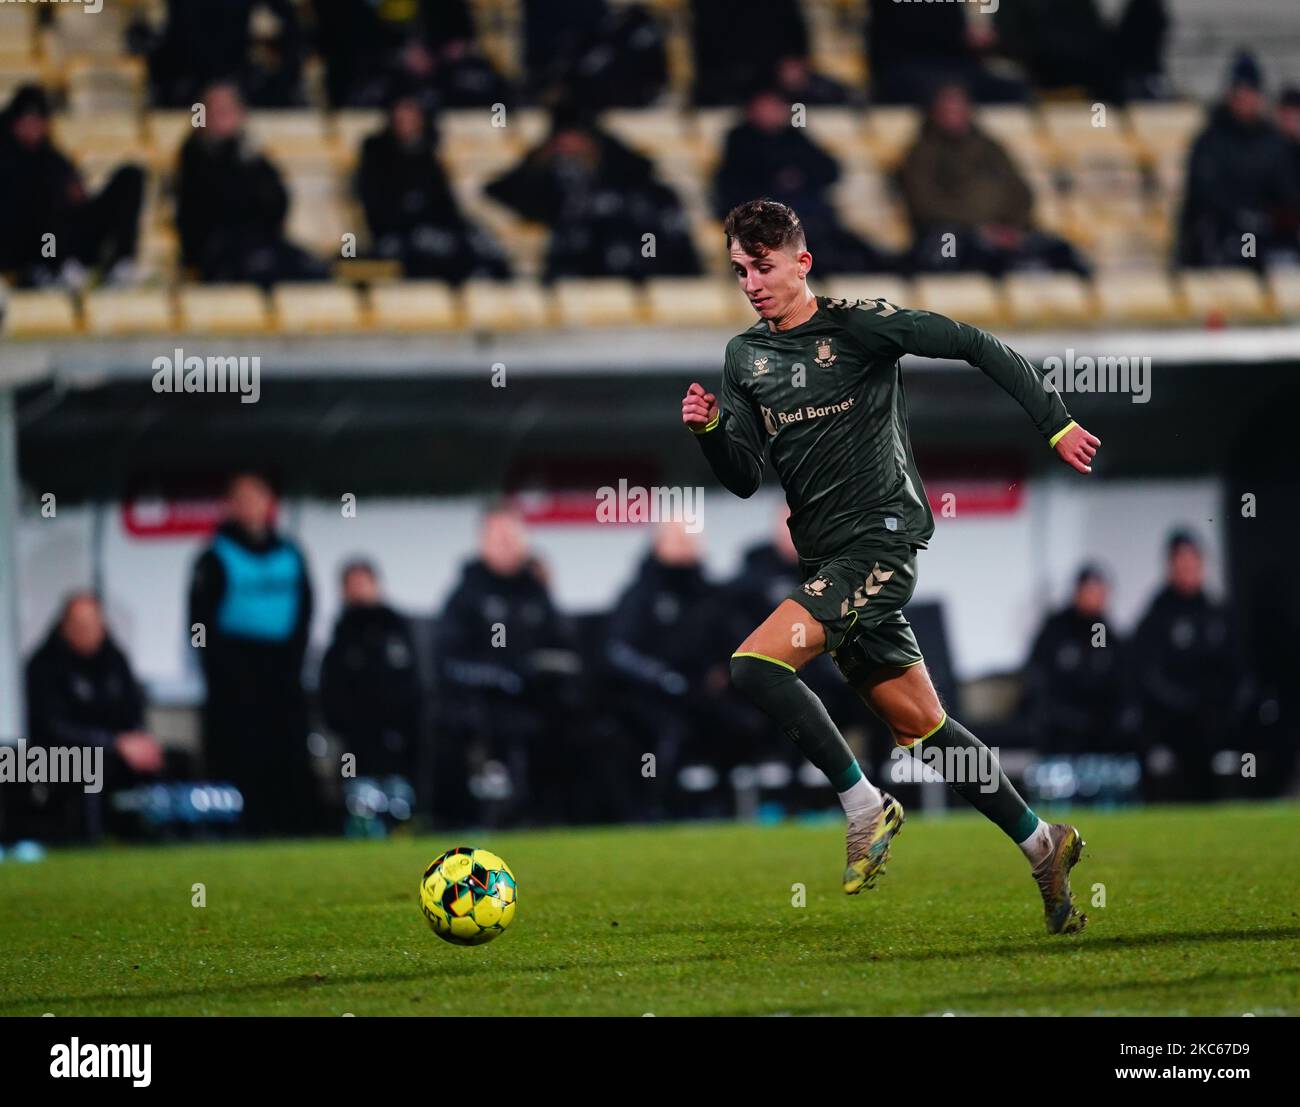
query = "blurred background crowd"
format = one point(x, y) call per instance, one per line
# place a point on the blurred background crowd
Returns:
point(545, 138)
point(499, 708)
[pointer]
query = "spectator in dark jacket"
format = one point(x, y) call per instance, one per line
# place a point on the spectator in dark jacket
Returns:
point(970, 208)
point(1191, 678)
point(427, 48)
point(737, 46)
point(251, 595)
point(369, 681)
point(914, 48)
point(51, 227)
point(588, 52)
point(1241, 187)
point(1077, 693)
point(504, 663)
point(81, 692)
point(412, 213)
point(209, 40)
point(767, 156)
point(600, 200)
point(232, 203)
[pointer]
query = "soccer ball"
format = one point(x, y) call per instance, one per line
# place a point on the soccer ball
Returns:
point(468, 895)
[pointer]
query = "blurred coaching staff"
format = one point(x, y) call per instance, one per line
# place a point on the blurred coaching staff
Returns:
point(252, 594)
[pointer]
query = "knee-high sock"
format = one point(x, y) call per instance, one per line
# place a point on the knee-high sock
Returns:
point(776, 690)
point(973, 772)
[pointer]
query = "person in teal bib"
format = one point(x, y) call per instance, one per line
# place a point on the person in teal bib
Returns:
point(251, 596)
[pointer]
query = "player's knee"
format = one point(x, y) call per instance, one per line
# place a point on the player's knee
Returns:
point(917, 723)
point(753, 676)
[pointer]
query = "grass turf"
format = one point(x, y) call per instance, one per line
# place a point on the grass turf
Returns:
point(1200, 918)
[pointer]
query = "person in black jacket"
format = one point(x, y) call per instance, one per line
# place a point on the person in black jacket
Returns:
point(210, 40)
point(231, 205)
point(51, 227)
point(505, 662)
point(410, 208)
point(1192, 680)
point(369, 681)
point(81, 692)
point(1240, 181)
point(765, 155)
point(1077, 693)
point(600, 200)
point(250, 613)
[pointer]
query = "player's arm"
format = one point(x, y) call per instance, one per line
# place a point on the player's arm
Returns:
point(730, 433)
point(928, 334)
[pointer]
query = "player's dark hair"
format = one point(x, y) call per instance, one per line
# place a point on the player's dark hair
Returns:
point(760, 226)
point(358, 565)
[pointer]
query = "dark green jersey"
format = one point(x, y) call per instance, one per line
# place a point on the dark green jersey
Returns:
point(827, 396)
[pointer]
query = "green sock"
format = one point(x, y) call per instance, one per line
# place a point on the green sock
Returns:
point(776, 690)
point(973, 772)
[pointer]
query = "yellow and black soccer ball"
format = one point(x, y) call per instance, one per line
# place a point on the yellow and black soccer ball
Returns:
point(468, 895)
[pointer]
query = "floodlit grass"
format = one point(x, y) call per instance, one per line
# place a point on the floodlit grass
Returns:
point(1200, 917)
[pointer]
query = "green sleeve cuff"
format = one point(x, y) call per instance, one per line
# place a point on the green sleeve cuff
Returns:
point(708, 426)
point(1061, 433)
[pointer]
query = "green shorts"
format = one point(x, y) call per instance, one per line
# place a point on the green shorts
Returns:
point(858, 598)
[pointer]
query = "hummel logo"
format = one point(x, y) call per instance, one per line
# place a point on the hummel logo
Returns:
point(760, 366)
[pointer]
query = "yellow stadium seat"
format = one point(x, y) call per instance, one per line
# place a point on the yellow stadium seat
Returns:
point(352, 127)
point(39, 314)
point(891, 131)
point(104, 83)
point(1042, 299)
point(167, 130)
point(867, 286)
point(1079, 132)
point(316, 307)
point(1284, 287)
point(697, 302)
point(129, 311)
point(595, 302)
point(107, 132)
point(969, 297)
point(413, 306)
point(286, 132)
point(838, 130)
point(707, 129)
point(652, 131)
point(1139, 296)
point(505, 305)
point(1166, 128)
point(223, 309)
point(1227, 295)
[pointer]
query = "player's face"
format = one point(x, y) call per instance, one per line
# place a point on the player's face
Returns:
point(1187, 569)
point(251, 503)
point(775, 282)
point(83, 626)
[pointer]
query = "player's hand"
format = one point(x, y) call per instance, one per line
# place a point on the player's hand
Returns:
point(699, 407)
point(1077, 447)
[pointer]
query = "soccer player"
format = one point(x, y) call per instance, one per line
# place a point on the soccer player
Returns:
point(818, 381)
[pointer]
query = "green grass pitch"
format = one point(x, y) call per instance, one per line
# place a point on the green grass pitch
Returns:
point(1200, 918)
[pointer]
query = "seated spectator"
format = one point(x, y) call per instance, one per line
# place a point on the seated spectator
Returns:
point(737, 50)
point(1071, 48)
point(1288, 122)
point(81, 692)
point(795, 80)
point(42, 195)
point(250, 592)
point(593, 54)
point(501, 699)
point(765, 155)
point(600, 200)
point(657, 653)
point(426, 48)
point(1239, 181)
point(204, 41)
point(369, 682)
point(969, 206)
point(1191, 678)
point(410, 209)
point(232, 204)
point(1076, 692)
point(914, 48)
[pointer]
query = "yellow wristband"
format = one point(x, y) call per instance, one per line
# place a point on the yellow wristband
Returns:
point(1059, 434)
point(708, 426)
